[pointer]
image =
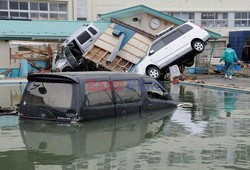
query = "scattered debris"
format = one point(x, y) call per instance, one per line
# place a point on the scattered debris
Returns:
point(8, 111)
point(185, 105)
point(175, 80)
point(124, 55)
point(30, 50)
point(201, 82)
point(4, 72)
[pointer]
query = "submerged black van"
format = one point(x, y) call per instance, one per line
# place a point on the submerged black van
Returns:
point(80, 96)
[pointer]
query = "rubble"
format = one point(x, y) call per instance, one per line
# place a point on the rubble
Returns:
point(8, 111)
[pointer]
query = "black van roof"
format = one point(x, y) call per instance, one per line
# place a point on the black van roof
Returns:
point(73, 76)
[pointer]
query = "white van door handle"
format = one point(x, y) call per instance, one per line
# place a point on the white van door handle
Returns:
point(150, 105)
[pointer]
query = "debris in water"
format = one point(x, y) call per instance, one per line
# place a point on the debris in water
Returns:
point(8, 111)
point(185, 105)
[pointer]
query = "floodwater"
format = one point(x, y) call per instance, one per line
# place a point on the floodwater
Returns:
point(213, 133)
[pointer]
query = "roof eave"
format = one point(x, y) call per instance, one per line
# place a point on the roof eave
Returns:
point(213, 35)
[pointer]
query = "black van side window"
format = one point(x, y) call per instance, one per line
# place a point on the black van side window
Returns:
point(127, 91)
point(98, 94)
point(92, 30)
point(153, 90)
point(83, 37)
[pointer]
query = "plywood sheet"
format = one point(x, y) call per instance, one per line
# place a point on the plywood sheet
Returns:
point(143, 38)
point(104, 45)
point(130, 54)
point(109, 38)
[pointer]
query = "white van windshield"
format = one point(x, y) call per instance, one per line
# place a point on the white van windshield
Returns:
point(57, 95)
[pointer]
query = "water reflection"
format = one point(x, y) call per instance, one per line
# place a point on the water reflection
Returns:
point(61, 144)
point(199, 137)
point(229, 103)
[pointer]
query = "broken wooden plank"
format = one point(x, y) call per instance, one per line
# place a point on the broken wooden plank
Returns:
point(105, 45)
point(31, 58)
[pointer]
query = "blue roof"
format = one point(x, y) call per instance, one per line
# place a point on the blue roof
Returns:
point(53, 30)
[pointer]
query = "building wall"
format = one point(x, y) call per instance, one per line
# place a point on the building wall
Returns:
point(34, 12)
point(143, 23)
point(104, 6)
point(197, 7)
point(5, 61)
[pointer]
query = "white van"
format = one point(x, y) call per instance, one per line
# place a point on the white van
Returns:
point(72, 49)
point(180, 45)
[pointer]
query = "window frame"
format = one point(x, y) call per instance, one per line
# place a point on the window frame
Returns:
point(173, 35)
point(240, 20)
point(83, 35)
point(154, 84)
point(102, 105)
point(92, 31)
point(70, 95)
point(214, 19)
point(183, 28)
point(32, 10)
point(7, 5)
point(138, 100)
point(153, 45)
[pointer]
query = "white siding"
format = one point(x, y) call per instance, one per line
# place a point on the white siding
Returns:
point(5, 61)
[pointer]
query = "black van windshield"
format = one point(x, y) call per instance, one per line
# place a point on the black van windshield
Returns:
point(58, 95)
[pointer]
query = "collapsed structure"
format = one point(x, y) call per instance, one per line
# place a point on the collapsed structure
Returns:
point(126, 36)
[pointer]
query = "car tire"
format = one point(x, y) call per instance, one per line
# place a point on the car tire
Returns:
point(189, 63)
point(67, 69)
point(154, 72)
point(198, 46)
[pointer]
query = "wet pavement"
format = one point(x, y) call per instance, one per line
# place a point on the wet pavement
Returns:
point(236, 80)
point(236, 84)
point(214, 133)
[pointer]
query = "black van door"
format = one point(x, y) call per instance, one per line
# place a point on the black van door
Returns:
point(128, 96)
point(98, 99)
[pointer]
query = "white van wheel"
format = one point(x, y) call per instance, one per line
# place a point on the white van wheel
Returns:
point(154, 72)
point(198, 46)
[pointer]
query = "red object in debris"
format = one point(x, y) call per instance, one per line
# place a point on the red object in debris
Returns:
point(175, 81)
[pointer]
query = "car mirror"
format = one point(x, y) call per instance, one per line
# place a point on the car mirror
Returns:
point(151, 52)
point(167, 96)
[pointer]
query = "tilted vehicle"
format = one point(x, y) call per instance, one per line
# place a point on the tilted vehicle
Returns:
point(70, 56)
point(179, 45)
point(78, 96)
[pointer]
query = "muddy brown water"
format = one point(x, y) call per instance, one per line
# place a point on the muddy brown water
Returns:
point(212, 133)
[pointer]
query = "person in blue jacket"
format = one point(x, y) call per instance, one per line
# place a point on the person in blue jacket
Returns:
point(229, 56)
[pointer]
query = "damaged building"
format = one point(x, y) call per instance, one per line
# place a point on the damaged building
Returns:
point(126, 36)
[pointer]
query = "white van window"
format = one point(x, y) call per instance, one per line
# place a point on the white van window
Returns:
point(171, 37)
point(185, 28)
point(83, 37)
point(157, 46)
point(98, 94)
point(92, 30)
point(128, 91)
